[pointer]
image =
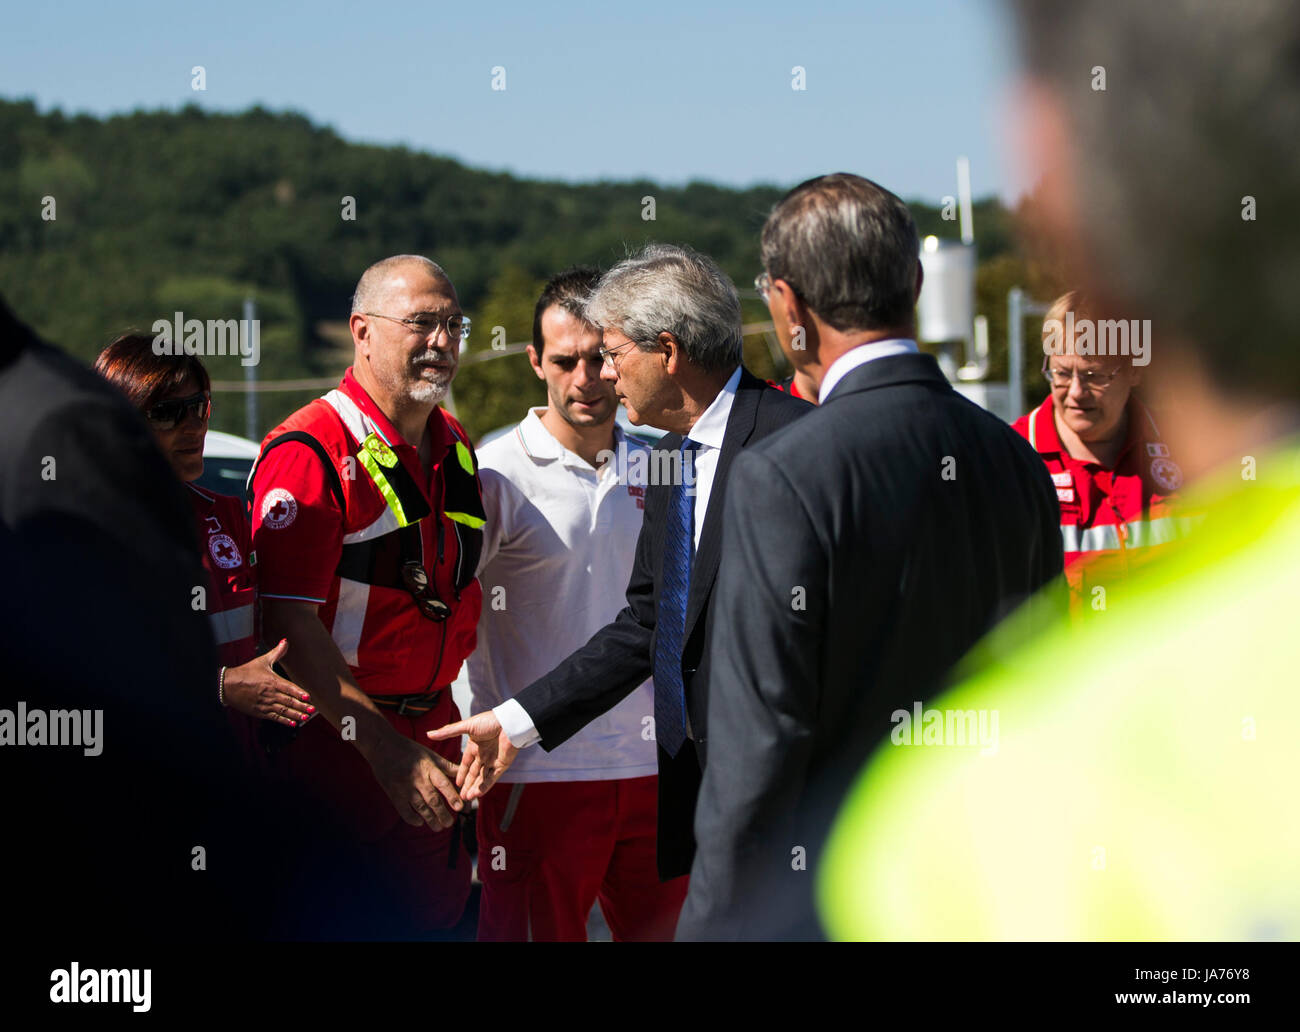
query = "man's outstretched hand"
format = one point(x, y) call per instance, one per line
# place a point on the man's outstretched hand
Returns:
point(418, 781)
point(487, 756)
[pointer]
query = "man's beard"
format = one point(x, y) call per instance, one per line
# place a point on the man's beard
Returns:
point(423, 391)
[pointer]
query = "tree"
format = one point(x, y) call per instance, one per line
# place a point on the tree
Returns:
point(491, 392)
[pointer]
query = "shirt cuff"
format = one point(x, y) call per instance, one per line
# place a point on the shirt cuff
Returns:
point(517, 724)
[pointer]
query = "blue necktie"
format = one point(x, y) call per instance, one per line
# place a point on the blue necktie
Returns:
point(679, 549)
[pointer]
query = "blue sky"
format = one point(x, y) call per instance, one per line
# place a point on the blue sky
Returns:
point(672, 90)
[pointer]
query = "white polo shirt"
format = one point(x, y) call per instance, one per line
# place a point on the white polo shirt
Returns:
point(557, 554)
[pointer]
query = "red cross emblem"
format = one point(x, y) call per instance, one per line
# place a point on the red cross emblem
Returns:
point(224, 551)
point(279, 509)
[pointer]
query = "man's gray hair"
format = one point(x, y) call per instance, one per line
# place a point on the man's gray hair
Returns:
point(849, 249)
point(370, 287)
point(665, 288)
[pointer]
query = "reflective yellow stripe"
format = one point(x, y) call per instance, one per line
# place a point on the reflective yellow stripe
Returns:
point(463, 517)
point(385, 488)
point(385, 455)
point(466, 460)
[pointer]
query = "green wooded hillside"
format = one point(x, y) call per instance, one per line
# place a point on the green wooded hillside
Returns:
point(156, 212)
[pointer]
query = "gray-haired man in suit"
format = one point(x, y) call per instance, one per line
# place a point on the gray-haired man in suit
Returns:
point(672, 348)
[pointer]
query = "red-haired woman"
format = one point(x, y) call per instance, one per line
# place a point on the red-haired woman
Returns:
point(174, 393)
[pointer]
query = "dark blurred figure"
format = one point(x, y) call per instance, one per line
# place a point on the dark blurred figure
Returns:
point(98, 549)
point(1149, 795)
point(148, 833)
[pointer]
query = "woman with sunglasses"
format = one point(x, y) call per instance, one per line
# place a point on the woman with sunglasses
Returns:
point(174, 393)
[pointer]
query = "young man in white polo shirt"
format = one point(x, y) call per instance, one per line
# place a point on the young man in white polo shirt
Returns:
point(576, 824)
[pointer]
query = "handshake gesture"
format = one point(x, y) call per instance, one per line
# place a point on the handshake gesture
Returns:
point(487, 756)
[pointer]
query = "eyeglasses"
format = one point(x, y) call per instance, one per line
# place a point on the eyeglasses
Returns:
point(612, 356)
point(167, 415)
point(417, 583)
point(457, 325)
point(1089, 379)
point(763, 284)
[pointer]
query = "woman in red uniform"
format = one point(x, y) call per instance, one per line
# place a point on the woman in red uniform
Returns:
point(1116, 482)
point(174, 394)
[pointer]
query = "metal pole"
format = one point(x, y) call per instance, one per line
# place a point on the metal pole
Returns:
point(250, 374)
point(964, 201)
point(1018, 307)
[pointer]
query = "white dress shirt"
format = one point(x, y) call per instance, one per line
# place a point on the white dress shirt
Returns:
point(855, 357)
point(707, 431)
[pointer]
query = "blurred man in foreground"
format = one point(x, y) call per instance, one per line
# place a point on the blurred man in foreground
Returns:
point(137, 821)
point(1149, 794)
point(100, 555)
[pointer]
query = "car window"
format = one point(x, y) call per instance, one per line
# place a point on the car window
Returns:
point(225, 476)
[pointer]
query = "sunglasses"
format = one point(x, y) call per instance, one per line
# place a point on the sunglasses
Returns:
point(417, 583)
point(167, 415)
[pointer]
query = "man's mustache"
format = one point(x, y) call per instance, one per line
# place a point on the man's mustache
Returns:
point(435, 358)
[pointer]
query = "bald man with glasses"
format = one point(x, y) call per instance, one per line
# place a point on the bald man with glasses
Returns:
point(368, 523)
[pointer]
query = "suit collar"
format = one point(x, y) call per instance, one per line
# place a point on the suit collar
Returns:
point(889, 372)
point(860, 355)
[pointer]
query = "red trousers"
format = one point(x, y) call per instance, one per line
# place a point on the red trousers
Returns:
point(567, 845)
point(429, 869)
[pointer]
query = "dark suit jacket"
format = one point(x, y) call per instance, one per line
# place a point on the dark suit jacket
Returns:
point(620, 656)
point(881, 538)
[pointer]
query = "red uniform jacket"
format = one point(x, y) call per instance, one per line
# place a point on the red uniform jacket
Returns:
point(1111, 520)
point(232, 582)
point(349, 557)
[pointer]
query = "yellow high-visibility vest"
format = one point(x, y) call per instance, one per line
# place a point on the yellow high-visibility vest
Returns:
point(1145, 782)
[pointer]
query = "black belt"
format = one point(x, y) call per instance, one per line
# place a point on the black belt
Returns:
point(416, 705)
